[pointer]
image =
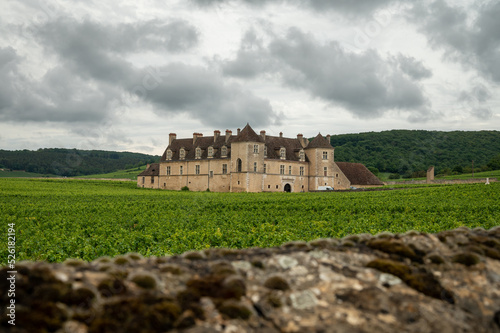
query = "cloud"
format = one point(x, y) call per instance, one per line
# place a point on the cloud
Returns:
point(94, 77)
point(251, 59)
point(468, 36)
point(355, 8)
point(413, 68)
point(206, 96)
point(476, 100)
point(364, 83)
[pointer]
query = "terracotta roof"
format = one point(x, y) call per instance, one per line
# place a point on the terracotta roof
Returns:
point(153, 170)
point(319, 142)
point(247, 134)
point(358, 174)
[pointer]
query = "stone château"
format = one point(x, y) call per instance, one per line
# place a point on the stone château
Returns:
point(248, 162)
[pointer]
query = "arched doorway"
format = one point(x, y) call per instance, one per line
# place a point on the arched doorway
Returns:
point(287, 188)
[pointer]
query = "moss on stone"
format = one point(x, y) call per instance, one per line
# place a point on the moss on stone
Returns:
point(276, 282)
point(74, 262)
point(394, 247)
point(436, 259)
point(234, 310)
point(144, 280)
point(466, 258)
point(122, 260)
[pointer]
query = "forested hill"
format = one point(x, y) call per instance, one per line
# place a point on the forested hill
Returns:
point(72, 162)
point(408, 151)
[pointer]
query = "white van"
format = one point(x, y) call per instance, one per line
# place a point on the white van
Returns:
point(325, 188)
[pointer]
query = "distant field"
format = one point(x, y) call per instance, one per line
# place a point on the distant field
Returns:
point(23, 174)
point(60, 218)
point(122, 174)
point(485, 174)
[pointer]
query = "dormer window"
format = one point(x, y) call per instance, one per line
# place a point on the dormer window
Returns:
point(302, 156)
point(210, 152)
point(282, 153)
point(169, 154)
point(223, 151)
point(198, 153)
point(182, 154)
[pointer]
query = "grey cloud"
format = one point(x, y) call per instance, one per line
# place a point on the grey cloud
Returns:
point(412, 67)
point(93, 76)
point(364, 83)
point(355, 8)
point(204, 95)
point(476, 101)
point(122, 38)
point(475, 45)
point(251, 59)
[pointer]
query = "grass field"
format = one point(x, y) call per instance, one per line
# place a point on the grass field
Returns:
point(122, 174)
point(22, 174)
point(56, 219)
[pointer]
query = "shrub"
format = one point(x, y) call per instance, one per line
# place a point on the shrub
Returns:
point(185, 188)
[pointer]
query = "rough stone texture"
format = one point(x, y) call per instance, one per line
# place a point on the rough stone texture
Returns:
point(447, 282)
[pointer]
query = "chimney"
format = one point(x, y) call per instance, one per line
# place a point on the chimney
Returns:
point(216, 135)
point(299, 137)
point(263, 135)
point(196, 136)
point(171, 138)
point(147, 166)
point(302, 142)
point(328, 138)
point(281, 134)
point(239, 130)
point(228, 135)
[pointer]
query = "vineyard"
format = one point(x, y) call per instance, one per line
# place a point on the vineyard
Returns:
point(58, 219)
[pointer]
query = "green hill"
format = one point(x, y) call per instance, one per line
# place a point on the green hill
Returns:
point(70, 162)
point(407, 152)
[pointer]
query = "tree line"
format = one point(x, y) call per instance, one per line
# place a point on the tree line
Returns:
point(409, 153)
point(72, 162)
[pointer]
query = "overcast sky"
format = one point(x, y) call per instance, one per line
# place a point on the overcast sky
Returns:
point(122, 75)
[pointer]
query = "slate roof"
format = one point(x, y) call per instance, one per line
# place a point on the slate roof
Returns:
point(358, 174)
point(319, 142)
point(153, 170)
point(275, 143)
point(247, 134)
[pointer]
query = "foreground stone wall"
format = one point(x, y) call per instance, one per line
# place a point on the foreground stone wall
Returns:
point(445, 282)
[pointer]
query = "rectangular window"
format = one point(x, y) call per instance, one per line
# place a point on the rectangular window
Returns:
point(268, 186)
point(301, 171)
point(325, 171)
point(211, 173)
point(168, 171)
point(254, 166)
point(224, 169)
point(255, 149)
point(143, 179)
point(282, 169)
point(265, 151)
point(277, 186)
point(197, 169)
point(289, 169)
point(181, 170)
point(325, 155)
point(152, 180)
point(265, 168)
